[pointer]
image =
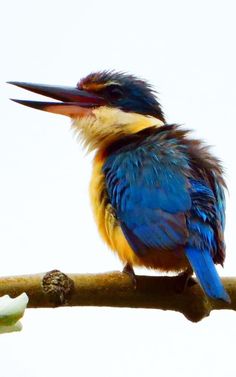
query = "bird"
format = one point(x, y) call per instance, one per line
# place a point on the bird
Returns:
point(158, 195)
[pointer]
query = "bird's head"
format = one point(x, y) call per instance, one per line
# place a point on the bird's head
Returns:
point(104, 106)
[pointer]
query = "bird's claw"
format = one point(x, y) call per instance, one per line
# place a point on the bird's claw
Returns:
point(128, 270)
point(185, 280)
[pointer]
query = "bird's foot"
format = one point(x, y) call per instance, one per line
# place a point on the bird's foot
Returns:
point(128, 270)
point(185, 280)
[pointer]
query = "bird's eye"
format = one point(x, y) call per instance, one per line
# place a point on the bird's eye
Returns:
point(115, 92)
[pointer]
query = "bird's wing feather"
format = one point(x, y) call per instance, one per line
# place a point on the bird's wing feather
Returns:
point(150, 195)
point(205, 244)
point(206, 219)
point(220, 219)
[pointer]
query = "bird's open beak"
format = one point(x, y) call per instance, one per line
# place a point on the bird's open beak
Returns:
point(74, 102)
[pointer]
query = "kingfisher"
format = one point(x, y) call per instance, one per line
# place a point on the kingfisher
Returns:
point(157, 194)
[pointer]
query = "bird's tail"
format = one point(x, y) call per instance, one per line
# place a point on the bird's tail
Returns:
point(204, 268)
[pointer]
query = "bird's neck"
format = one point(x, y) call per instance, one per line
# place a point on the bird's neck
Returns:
point(106, 125)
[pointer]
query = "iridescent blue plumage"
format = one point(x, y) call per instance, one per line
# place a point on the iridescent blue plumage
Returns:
point(167, 191)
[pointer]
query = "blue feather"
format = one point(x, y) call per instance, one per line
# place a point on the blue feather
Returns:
point(204, 268)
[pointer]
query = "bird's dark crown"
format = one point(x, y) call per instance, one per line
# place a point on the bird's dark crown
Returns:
point(124, 91)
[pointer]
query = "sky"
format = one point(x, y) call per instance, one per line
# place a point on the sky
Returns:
point(186, 49)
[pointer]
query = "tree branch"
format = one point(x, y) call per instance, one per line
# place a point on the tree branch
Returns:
point(115, 289)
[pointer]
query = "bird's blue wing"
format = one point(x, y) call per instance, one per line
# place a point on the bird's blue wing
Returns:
point(162, 201)
point(150, 194)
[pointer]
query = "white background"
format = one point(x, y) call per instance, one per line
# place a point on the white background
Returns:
point(186, 49)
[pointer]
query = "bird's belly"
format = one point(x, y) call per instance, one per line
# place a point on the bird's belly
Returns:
point(164, 260)
point(111, 232)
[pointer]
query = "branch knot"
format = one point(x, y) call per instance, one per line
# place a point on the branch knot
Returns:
point(58, 286)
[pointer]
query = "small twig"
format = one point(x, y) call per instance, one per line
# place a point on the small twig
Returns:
point(115, 289)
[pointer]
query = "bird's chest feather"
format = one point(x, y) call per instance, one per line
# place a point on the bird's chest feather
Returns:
point(103, 211)
point(112, 234)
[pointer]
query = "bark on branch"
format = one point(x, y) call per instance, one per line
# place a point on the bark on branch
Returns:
point(115, 289)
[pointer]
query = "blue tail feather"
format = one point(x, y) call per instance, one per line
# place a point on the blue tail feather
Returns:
point(204, 268)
